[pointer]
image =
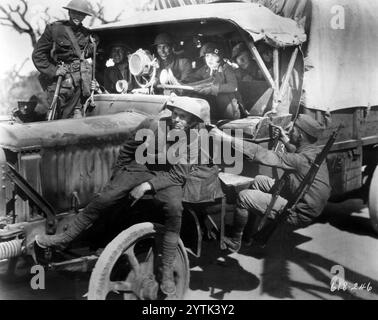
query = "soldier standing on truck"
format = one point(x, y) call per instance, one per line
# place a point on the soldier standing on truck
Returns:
point(61, 51)
point(303, 136)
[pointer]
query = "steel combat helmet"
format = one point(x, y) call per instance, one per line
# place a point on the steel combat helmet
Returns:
point(163, 38)
point(79, 6)
point(198, 107)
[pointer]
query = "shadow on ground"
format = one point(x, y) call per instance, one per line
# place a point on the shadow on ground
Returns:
point(215, 266)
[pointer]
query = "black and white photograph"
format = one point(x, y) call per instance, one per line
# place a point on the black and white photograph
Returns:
point(201, 152)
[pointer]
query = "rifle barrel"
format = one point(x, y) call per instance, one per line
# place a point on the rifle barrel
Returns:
point(52, 109)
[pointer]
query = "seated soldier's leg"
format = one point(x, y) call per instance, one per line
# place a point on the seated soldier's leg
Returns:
point(171, 201)
point(113, 193)
point(254, 201)
point(262, 183)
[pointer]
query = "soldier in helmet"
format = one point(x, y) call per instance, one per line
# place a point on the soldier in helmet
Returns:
point(61, 51)
point(167, 60)
point(170, 184)
point(119, 52)
point(303, 137)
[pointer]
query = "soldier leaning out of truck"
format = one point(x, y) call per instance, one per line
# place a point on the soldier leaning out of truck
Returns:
point(218, 84)
point(131, 178)
point(119, 53)
point(61, 51)
point(303, 136)
point(249, 74)
point(180, 68)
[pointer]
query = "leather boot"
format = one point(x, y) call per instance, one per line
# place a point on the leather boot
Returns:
point(233, 244)
point(62, 240)
point(170, 242)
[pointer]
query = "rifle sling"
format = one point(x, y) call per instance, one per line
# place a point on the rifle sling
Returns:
point(74, 43)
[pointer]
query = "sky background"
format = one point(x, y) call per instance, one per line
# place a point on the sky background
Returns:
point(15, 47)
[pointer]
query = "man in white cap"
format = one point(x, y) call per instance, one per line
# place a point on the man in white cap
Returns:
point(61, 51)
point(171, 184)
point(255, 200)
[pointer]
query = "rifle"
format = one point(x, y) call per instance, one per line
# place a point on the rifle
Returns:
point(54, 104)
point(89, 103)
point(266, 229)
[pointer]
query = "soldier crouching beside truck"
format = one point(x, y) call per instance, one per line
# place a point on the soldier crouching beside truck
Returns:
point(257, 199)
point(61, 52)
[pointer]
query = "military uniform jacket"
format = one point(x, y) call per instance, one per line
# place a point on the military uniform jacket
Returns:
point(55, 45)
point(223, 79)
point(200, 181)
point(112, 75)
point(181, 67)
point(314, 201)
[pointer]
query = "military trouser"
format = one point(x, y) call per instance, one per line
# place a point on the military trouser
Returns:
point(74, 90)
point(256, 200)
point(114, 193)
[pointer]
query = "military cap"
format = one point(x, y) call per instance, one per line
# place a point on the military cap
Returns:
point(309, 125)
point(214, 48)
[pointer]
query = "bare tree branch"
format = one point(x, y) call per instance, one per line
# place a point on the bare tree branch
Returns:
point(99, 14)
point(16, 18)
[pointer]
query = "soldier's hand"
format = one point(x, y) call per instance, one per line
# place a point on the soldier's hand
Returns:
point(139, 191)
point(205, 90)
point(155, 63)
point(281, 133)
point(216, 133)
point(95, 86)
point(94, 38)
point(62, 71)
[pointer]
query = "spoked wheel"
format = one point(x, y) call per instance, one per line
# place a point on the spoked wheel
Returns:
point(128, 267)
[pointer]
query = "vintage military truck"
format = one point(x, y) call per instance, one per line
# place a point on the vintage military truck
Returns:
point(50, 170)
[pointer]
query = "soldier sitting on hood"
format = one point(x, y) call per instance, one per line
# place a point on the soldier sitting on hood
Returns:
point(171, 184)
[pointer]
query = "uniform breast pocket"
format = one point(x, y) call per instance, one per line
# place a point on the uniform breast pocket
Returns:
point(64, 44)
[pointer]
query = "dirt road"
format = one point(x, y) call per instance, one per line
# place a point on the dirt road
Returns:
point(292, 267)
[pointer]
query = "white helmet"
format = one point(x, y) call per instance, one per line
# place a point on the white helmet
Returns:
point(197, 107)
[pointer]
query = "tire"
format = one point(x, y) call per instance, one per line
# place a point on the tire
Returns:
point(373, 200)
point(127, 266)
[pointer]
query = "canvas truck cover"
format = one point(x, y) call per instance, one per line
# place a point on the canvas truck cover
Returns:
point(260, 22)
point(342, 63)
